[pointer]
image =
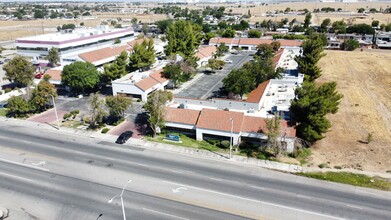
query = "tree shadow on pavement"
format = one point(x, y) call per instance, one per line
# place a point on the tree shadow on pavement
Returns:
point(141, 123)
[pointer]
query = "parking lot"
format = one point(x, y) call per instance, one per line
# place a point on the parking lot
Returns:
point(208, 85)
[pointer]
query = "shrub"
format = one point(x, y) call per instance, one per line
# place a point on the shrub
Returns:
point(86, 120)
point(323, 165)
point(337, 167)
point(1, 92)
point(224, 144)
point(119, 121)
point(75, 112)
point(66, 116)
point(369, 138)
point(105, 130)
point(7, 90)
point(214, 142)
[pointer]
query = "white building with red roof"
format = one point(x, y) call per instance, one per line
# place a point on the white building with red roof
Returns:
point(251, 43)
point(140, 84)
point(72, 43)
point(221, 124)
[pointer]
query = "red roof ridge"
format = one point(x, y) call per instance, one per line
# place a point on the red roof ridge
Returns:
point(256, 95)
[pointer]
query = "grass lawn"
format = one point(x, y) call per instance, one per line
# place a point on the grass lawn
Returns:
point(3, 112)
point(352, 179)
point(187, 142)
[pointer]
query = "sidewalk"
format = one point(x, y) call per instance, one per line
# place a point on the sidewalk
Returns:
point(188, 151)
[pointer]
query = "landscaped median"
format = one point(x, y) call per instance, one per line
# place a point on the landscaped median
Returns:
point(352, 179)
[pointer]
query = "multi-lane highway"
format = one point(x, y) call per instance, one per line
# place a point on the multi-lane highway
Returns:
point(52, 175)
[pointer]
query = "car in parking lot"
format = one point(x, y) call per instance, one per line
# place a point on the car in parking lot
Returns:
point(124, 137)
point(3, 105)
point(7, 60)
point(228, 61)
point(1, 62)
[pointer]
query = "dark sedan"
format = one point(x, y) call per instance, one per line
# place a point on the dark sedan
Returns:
point(124, 137)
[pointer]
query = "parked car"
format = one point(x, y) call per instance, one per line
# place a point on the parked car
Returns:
point(124, 137)
point(7, 60)
point(3, 105)
point(39, 75)
point(228, 61)
point(1, 62)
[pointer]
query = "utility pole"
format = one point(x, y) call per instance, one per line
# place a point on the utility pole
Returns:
point(55, 111)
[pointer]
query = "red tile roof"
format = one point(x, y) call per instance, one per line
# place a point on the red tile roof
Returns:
point(205, 52)
point(220, 120)
point(254, 41)
point(183, 116)
point(102, 54)
point(277, 56)
point(219, 40)
point(137, 41)
point(256, 95)
point(258, 125)
point(253, 124)
point(292, 43)
point(146, 83)
point(157, 75)
point(54, 74)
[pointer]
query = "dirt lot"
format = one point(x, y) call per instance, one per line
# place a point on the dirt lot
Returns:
point(364, 78)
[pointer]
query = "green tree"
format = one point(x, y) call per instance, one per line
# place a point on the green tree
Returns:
point(117, 105)
point(80, 76)
point(312, 52)
point(183, 38)
point(307, 20)
point(264, 51)
point(174, 73)
point(350, 44)
point(238, 81)
point(39, 14)
point(143, 55)
point(209, 36)
point(222, 49)
point(162, 25)
point(155, 107)
point(96, 110)
point(215, 64)
point(262, 69)
point(19, 70)
point(360, 29)
point(116, 69)
point(17, 107)
point(42, 95)
point(310, 106)
point(229, 33)
point(273, 133)
point(53, 56)
point(375, 23)
point(325, 24)
point(339, 27)
point(275, 45)
point(360, 10)
point(254, 33)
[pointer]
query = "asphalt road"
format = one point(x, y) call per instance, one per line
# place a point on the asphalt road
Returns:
point(192, 188)
point(208, 86)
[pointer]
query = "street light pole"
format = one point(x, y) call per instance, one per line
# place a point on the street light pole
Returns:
point(122, 200)
point(231, 138)
point(55, 111)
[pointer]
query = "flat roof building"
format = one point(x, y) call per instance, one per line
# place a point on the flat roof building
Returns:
point(71, 43)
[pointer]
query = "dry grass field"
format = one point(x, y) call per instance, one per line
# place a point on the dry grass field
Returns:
point(364, 78)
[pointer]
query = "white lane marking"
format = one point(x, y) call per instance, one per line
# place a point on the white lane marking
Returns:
point(253, 200)
point(166, 214)
point(176, 171)
point(41, 163)
point(353, 206)
point(24, 165)
point(256, 187)
point(217, 179)
point(177, 190)
point(305, 197)
point(144, 165)
point(17, 177)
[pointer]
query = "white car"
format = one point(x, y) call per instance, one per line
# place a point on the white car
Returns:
point(228, 61)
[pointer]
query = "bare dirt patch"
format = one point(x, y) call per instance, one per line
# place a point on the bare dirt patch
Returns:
point(364, 78)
